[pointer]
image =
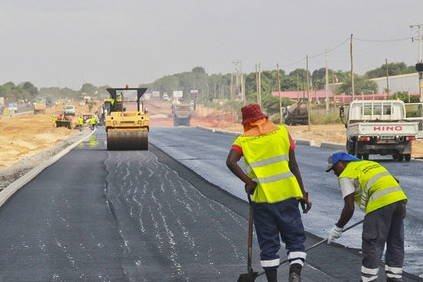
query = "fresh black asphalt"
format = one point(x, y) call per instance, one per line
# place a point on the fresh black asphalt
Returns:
point(96, 215)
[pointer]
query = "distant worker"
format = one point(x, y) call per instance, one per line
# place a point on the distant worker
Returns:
point(93, 122)
point(54, 119)
point(80, 123)
point(381, 197)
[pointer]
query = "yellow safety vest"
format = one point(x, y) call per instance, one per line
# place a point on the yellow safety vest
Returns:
point(267, 162)
point(378, 187)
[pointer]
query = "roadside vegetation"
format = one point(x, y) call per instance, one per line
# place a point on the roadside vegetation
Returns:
point(223, 91)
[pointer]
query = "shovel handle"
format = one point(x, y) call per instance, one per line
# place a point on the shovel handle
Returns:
point(250, 236)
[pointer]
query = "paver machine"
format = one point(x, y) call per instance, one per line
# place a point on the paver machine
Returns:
point(126, 120)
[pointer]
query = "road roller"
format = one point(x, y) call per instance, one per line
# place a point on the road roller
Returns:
point(126, 119)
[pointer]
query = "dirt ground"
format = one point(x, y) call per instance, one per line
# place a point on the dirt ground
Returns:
point(26, 140)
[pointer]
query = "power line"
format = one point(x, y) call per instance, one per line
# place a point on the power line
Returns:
point(330, 50)
point(382, 40)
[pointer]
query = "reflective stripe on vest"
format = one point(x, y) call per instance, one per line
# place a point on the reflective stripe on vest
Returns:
point(267, 162)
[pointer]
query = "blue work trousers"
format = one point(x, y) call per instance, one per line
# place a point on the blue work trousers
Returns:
point(281, 220)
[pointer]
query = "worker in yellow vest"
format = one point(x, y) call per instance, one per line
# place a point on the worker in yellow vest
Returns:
point(380, 196)
point(80, 123)
point(93, 122)
point(274, 180)
point(54, 119)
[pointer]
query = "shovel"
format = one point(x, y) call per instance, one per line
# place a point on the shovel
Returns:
point(250, 276)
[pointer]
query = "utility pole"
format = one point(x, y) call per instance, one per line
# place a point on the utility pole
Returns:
point(419, 65)
point(243, 87)
point(308, 95)
point(419, 38)
point(279, 94)
point(327, 84)
point(387, 78)
point(352, 69)
point(239, 82)
point(258, 73)
point(232, 88)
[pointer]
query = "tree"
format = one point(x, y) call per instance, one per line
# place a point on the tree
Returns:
point(199, 70)
point(318, 78)
point(87, 89)
point(29, 89)
point(393, 69)
point(300, 73)
point(362, 85)
point(404, 96)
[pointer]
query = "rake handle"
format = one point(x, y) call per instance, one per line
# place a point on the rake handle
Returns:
point(320, 242)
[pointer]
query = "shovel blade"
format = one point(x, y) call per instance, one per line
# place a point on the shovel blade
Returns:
point(248, 277)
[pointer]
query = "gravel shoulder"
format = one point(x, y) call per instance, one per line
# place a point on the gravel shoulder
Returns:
point(11, 173)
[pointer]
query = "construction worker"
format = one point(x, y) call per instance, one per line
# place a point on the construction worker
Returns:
point(54, 118)
point(80, 123)
point(382, 199)
point(93, 122)
point(275, 183)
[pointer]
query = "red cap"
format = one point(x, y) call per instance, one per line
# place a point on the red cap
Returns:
point(252, 113)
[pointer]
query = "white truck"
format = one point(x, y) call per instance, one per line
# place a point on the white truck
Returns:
point(379, 127)
point(69, 110)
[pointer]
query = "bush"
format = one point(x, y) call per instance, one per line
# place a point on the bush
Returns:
point(331, 118)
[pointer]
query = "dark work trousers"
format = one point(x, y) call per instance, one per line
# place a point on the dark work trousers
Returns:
point(281, 220)
point(384, 225)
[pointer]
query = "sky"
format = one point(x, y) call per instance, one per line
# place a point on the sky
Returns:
point(59, 43)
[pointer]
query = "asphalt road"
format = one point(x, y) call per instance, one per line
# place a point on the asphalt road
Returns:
point(96, 215)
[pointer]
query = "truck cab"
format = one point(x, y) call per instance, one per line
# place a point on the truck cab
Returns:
point(69, 110)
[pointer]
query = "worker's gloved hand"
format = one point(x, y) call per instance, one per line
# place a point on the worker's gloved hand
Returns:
point(334, 233)
point(250, 187)
point(305, 203)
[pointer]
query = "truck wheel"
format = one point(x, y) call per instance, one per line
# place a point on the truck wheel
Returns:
point(400, 157)
point(407, 157)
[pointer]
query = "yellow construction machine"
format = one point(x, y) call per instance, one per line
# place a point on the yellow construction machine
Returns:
point(126, 119)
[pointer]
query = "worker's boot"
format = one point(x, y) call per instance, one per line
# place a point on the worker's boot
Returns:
point(294, 277)
point(295, 272)
point(271, 274)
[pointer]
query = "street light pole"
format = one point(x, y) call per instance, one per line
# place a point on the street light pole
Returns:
point(419, 65)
